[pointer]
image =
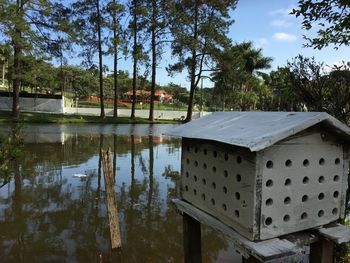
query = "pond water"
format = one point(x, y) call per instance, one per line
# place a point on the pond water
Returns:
point(49, 215)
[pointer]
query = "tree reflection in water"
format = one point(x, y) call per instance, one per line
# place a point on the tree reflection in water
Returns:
point(46, 214)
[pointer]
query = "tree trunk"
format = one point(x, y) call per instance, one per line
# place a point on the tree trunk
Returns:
point(17, 64)
point(135, 56)
point(193, 66)
point(99, 43)
point(16, 78)
point(61, 72)
point(115, 64)
point(3, 74)
point(154, 60)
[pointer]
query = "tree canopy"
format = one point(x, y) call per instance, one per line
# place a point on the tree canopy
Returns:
point(331, 18)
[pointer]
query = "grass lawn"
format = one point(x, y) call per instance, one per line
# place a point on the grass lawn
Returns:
point(25, 117)
point(157, 106)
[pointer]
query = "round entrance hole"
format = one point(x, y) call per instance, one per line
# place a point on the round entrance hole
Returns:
point(237, 213)
point(269, 201)
point(321, 179)
point(321, 196)
point(336, 194)
point(287, 200)
point(304, 198)
point(268, 221)
point(226, 156)
point(225, 174)
point(238, 196)
point(288, 182)
point(320, 213)
point(269, 183)
point(335, 211)
point(306, 162)
point(286, 218)
point(269, 164)
point(304, 215)
point(288, 163)
point(321, 161)
point(305, 180)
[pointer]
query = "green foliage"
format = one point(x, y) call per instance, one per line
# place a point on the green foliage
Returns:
point(237, 82)
point(31, 25)
point(320, 90)
point(284, 97)
point(10, 150)
point(330, 17)
point(199, 30)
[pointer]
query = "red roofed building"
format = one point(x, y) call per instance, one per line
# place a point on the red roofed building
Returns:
point(144, 95)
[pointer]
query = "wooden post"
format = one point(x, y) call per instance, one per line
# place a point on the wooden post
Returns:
point(111, 202)
point(192, 239)
point(321, 251)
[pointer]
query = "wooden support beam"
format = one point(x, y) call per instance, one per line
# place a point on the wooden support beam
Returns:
point(111, 202)
point(192, 239)
point(321, 251)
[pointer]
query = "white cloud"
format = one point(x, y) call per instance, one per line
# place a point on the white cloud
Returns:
point(281, 12)
point(261, 42)
point(284, 37)
point(282, 17)
point(281, 23)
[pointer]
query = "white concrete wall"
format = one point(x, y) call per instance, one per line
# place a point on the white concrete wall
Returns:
point(33, 104)
point(158, 114)
point(57, 106)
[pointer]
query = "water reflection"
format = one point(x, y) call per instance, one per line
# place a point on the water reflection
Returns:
point(46, 214)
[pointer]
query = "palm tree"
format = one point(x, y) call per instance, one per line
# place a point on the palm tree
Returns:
point(253, 58)
point(238, 69)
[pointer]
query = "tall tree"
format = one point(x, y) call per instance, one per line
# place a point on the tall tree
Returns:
point(89, 24)
point(199, 30)
point(158, 29)
point(116, 11)
point(134, 11)
point(28, 25)
point(330, 17)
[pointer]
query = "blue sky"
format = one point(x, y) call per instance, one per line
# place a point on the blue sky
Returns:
point(268, 24)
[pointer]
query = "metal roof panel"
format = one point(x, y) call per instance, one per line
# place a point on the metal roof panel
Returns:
point(255, 130)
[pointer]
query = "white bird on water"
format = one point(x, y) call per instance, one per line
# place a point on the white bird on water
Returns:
point(79, 175)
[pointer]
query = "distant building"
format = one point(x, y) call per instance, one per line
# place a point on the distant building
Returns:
point(144, 95)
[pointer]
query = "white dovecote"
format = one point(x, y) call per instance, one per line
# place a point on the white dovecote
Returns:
point(266, 174)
